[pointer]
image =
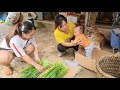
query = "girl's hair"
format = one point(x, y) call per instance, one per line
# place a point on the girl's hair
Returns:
point(25, 27)
point(81, 27)
point(58, 20)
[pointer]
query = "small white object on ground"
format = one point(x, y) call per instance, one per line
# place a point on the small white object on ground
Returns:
point(72, 63)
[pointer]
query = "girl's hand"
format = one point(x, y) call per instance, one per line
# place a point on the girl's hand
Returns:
point(39, 67)
point(37, 59)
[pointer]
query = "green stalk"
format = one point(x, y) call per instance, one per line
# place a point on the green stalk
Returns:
point(54, 71)
point(32, 72)
point(49, 73)
point(62, 72)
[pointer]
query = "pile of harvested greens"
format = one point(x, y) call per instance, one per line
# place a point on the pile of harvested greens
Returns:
point(32, 72)
point(57, 71)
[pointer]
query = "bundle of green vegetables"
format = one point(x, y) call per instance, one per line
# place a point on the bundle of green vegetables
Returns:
point(56, 71)
point(45, 63)
point(32, 72)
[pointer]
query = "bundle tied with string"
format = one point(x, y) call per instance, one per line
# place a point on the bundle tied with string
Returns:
point(109, 66)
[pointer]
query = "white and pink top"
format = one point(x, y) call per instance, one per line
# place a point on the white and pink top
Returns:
point(17, 45)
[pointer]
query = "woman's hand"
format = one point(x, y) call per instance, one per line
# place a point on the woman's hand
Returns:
point(74, 42)
point(39, 67)
point(32, 62)
point(37, 59)
point(81, 42)
point(71, 41)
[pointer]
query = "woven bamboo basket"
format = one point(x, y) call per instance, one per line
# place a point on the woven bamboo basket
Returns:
point(108, 66)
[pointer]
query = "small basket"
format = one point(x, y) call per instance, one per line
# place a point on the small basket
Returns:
point(108, 66)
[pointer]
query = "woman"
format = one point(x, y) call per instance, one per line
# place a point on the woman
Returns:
point(64, 34)
point(20, 43)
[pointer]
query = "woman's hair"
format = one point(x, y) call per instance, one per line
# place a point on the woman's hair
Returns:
point(25, 27)
point(58, 20)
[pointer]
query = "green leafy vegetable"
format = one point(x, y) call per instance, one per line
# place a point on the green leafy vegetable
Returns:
point(57, 71)
point(32, 72)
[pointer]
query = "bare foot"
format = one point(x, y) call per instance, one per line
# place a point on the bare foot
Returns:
point(59, 54)
point(8, 70)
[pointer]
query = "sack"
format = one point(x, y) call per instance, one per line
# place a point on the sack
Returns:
point(115, 40)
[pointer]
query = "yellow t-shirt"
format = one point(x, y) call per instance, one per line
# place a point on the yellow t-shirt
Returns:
point(61, 36)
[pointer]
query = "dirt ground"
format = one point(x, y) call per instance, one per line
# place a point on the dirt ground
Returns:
point(48, 49)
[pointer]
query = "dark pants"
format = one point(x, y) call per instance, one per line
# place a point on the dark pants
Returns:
point(62, 48)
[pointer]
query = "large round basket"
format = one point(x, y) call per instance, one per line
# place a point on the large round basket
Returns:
point(108, 67)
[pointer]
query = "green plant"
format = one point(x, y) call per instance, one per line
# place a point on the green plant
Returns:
point(57, 71)
point(32, 72)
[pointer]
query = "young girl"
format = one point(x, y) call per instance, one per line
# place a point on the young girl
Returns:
point(85, 42)
point(20, 43)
